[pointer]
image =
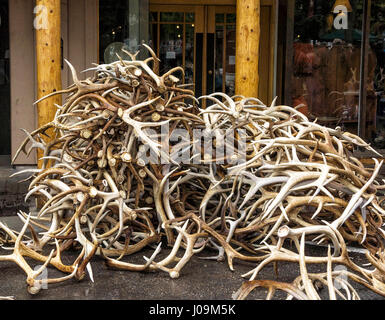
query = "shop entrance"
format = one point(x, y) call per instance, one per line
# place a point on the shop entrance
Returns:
point(5, 131)
point(202, 40)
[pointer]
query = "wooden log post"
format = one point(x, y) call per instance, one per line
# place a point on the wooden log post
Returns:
point(248, 31)
point(48, 60)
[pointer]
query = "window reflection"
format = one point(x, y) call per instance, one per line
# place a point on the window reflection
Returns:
point(173, 39)
point(224, 80)
point(377, 44)
point(171, 46)
point(326, 62)
point(171, 17)
point(219, 58)
point(121, 27)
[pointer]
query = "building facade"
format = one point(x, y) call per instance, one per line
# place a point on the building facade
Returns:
point(326, 57)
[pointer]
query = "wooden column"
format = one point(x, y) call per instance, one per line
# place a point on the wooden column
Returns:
point(48, 59)
point(247, 47)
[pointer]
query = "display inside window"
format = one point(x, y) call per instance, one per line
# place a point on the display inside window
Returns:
point(377, 44)
point(327, 48)
point(172, 36)
point(225, 53)
point(122, 25)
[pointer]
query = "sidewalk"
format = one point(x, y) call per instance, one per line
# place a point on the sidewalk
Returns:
point(199, 279)
point(12, 192)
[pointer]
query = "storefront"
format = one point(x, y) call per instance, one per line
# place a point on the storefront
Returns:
point(311, 53)
point(198, 35)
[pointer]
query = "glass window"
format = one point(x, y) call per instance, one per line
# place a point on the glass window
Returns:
point(326, 61)
point(171, 17)
point(219, 45)
point(153, 16)
point(230, 18)
point(171, 46)
point(219, 18)
point(230, 60)
point(173, 39)
point(122, 25)
point(376, 74)
point(189, 17)
point(189, 52)
point(224, 80)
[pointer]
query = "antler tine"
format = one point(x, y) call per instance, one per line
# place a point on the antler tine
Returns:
point(155, 58)
point(309, 288)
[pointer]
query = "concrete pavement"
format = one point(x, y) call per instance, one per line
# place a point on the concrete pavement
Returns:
point(199, 280)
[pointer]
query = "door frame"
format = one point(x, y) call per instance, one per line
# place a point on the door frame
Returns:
point(212, 10)
point(197, 2)
point(203, 11)
point(198, 29)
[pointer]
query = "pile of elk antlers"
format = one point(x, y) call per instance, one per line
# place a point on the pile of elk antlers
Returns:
point(267, 185)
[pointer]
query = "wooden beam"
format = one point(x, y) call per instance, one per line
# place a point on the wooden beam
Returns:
point(48, 59)
point(248, 31)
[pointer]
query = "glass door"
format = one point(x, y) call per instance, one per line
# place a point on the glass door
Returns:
point(202, 40)
point(173, 37)
point(199, 38)
point(375, 96)
point(221, 69)
point(221, 47)
point(123, 24)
